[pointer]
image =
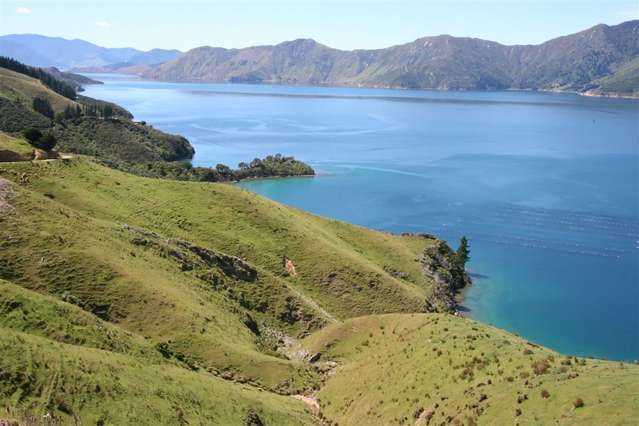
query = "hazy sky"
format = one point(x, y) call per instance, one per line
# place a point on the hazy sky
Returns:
point(345, 24)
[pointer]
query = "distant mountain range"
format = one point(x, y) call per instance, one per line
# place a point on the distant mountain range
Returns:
point(42, 51)
point(602, 60)
point(574, 62)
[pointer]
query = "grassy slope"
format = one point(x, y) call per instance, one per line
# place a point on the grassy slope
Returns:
point(60, 359)
point(116, 139)
point(393, 365)
point(66, 239)
point(15, 86)
point(18, 147)
point(29, 312)
point(70, 244)
point(41, 376)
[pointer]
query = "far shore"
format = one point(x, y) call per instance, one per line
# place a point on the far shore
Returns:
point(588, 93)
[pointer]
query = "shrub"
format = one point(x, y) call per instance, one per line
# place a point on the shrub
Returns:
point(578, 403)
point(540, 366)
point(253, 419)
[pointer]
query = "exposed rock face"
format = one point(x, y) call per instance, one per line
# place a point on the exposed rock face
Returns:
point(230, 265)
point(439, 260)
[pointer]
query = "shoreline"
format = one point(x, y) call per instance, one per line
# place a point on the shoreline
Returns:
point(253, 179)
point(588, 93)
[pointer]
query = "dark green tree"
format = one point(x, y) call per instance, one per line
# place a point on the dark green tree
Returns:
point(46, 143)
point(43, 106)
point(32, 135)
point(463, 252)
point(224, 170)
point(107, 111)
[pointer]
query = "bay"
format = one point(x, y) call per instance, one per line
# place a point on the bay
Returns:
point(544, 185)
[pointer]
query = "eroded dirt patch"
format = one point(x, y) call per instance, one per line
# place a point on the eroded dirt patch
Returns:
point(6, 193)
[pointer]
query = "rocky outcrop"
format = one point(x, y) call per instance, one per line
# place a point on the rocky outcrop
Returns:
point(440, 261)
point(190, 255)
point(231, 265)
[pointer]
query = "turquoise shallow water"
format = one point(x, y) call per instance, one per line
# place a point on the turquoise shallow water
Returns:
point(545, 186)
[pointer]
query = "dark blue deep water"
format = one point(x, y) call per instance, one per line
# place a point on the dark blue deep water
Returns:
point(545, 186)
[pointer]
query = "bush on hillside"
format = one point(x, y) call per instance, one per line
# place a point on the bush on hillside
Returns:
point(540, 367)
point(37, 139)
point(47, 142)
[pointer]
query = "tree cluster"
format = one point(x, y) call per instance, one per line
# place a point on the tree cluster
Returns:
point(271, 166)
point(99, 110)
point(69, 113)
point(43, 106)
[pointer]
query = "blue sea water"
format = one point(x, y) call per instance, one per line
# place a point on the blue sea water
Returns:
point(545, 186)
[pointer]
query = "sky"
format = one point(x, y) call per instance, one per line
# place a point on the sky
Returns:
point(344, 24)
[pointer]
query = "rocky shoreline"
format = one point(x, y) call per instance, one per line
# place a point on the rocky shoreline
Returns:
point(439, 261)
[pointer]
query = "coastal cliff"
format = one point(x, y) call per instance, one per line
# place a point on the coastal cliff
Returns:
point(449, 275)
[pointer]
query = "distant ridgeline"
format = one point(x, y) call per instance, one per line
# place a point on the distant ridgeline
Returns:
point(33, 98)
point(600, 60)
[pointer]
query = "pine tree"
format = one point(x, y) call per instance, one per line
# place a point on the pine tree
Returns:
point(463, 252)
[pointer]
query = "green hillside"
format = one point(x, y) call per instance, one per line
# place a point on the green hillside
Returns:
point(19, 87)
point(81, 125)
point(157, 259)
point(144, 301)
point(132, 276)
